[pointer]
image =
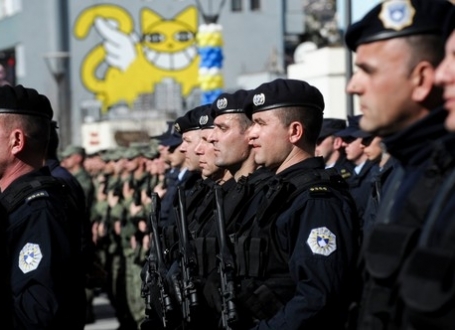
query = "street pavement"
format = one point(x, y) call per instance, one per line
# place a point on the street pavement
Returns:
point(104, 315)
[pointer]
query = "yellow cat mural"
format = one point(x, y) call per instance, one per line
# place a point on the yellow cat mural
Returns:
point(165, 48)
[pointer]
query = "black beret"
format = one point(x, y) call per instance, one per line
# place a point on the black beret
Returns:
point(282, 93)
point(450, 24)
point(26, 101)
point(399, 18)
point(167, 133)
point(229, 103)
point(353, 128)
point(206, 121)
point(330, 126)
point(171, 140)
point(193, 119)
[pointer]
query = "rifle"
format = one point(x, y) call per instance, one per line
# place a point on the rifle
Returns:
point(226, 267)
point(136, 187)
point(156, 270)
point(187, 260)
point(105, 183)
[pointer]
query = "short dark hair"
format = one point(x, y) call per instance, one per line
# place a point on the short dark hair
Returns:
point(425, 47)
point(36, 129)
point(310, 118)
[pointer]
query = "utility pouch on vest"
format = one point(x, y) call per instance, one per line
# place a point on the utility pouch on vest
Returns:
point(378, 310)
point(428, 280)
point(260, 301)
point(387, 247)
point(206, 254)
point(250, 256)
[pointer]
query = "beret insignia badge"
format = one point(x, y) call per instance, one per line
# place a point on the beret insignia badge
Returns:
point(397, 14)
point(177, 127)
point(259, 99)
point(222, 103)
point(203, 120)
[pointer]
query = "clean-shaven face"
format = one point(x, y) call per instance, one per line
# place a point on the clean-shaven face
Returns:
point(270, 139)
point(230, 140)
point(383, 84)
point(445, 77)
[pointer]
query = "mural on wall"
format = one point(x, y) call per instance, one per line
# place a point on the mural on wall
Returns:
point(127, 64)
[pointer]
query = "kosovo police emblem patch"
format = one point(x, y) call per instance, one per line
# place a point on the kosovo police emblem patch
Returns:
point(322, 241)
point(30, 257)
point(397, 14)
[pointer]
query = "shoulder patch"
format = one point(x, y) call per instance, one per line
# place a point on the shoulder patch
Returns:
point(30, 257)
point(36, 194)
point(322, 241)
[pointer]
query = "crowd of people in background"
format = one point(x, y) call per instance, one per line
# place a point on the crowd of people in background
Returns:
point(255, 211)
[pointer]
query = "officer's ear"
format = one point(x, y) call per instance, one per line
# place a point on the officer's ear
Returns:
point(17, 141)
point(422, 79)
point(296, 132)
point(337, 142)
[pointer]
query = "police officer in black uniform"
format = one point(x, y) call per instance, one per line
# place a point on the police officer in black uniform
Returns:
point(363, 171)
point(296, 259)
point(211, 173)
point(379, 182)
point(330, 146)
point(194, 191)
point(233, 153)
point(94, 274)
point(398, 46)
point(43, 239)
point(429, 295)
point(249, 178)
point(194, 120)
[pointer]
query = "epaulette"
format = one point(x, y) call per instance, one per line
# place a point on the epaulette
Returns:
point(35, 195)
point(319, 191)
point(25, 192)
point(345, 173)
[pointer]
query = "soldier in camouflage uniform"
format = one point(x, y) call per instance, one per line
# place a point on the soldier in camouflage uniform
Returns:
point(72, 158)
point(133, 228)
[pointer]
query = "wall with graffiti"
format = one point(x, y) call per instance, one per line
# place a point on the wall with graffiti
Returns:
point(110, 59)
point(137, 55)
point(126, 63)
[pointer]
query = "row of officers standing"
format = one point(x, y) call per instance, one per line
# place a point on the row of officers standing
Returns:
point(255, 211)
point(290, 241)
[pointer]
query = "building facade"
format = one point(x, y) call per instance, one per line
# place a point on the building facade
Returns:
point(138, 60)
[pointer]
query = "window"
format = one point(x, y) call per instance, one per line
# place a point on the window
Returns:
point(255, 5)
point(236, 5)
point(7, 66)
point(9, 7)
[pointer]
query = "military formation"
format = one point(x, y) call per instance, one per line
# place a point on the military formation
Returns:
point(255, 211)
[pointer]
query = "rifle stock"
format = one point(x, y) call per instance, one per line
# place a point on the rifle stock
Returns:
point(226, 267)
